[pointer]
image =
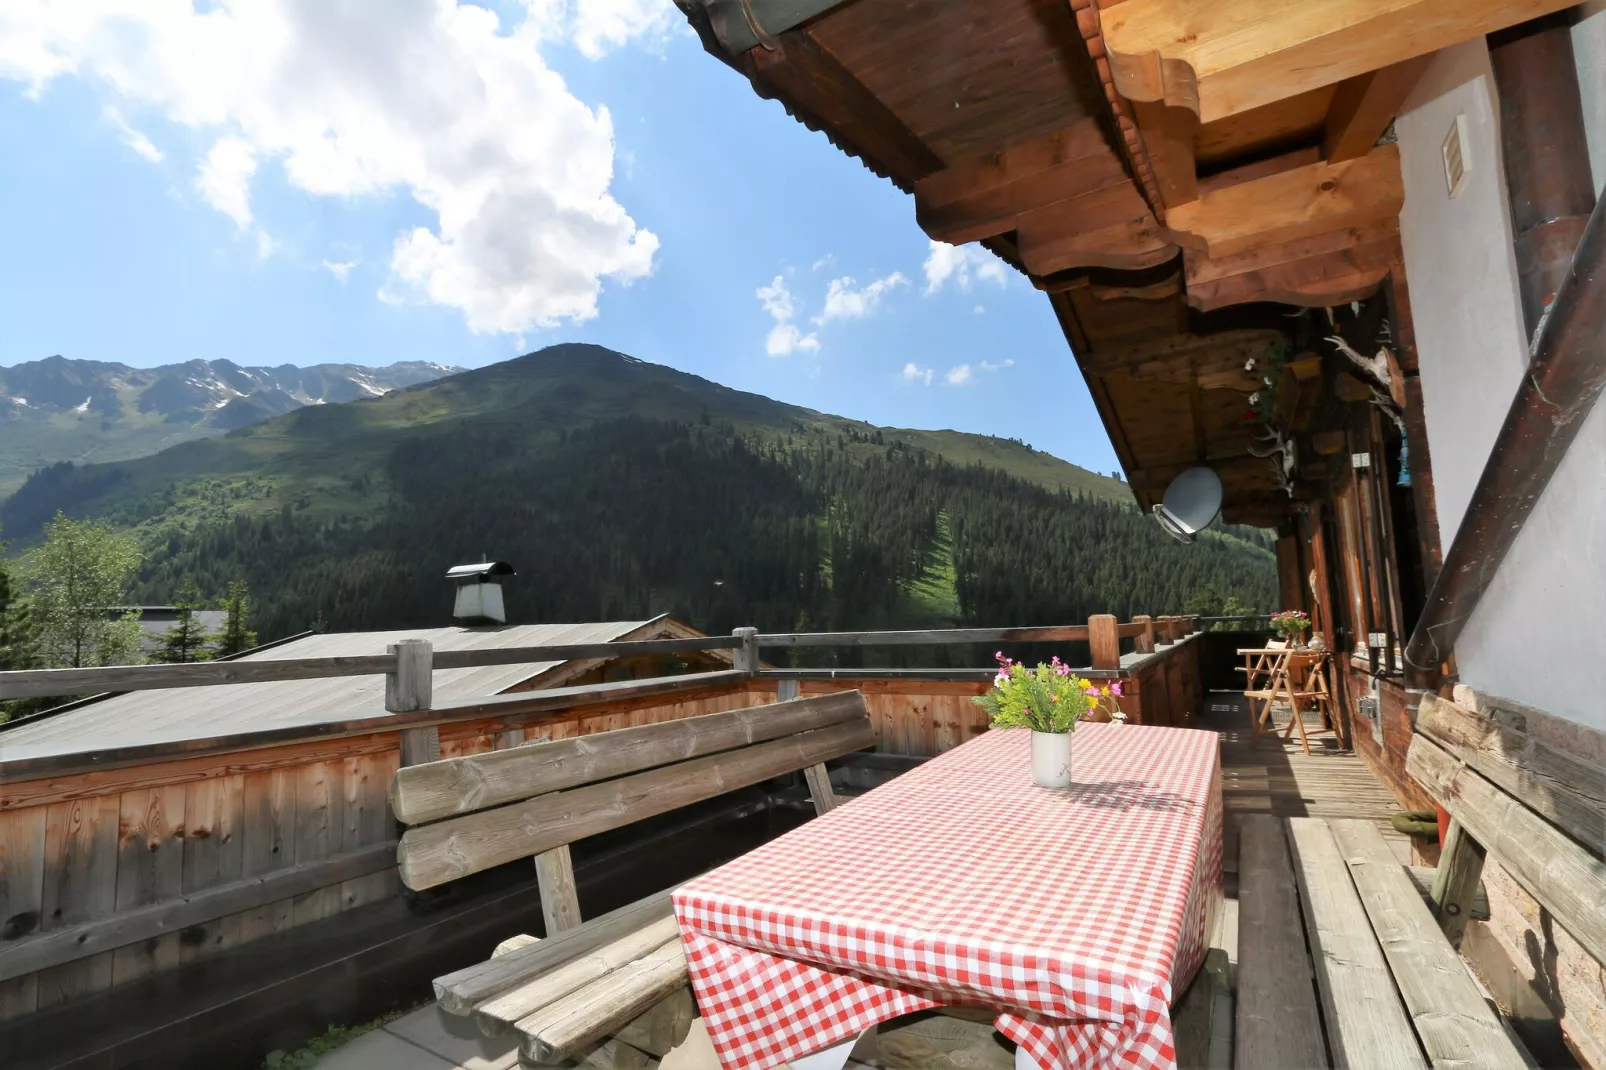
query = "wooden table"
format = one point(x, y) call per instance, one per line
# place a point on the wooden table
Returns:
point(1075, 916)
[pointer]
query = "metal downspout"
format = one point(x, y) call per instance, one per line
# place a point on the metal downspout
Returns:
point(1563, 381)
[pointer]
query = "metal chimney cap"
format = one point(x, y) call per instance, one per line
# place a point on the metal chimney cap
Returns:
point(482, 571)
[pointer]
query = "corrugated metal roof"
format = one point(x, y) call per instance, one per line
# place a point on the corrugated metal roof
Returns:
point(188, 713)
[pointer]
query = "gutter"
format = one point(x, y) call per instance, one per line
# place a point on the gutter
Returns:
point(743, 24)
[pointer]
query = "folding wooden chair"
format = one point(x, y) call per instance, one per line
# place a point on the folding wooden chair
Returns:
point(1301, 680)
point(1258, 662)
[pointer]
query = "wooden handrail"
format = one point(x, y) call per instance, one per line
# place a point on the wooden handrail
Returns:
point(37, 683)
point(932, 636)
point(32, 683)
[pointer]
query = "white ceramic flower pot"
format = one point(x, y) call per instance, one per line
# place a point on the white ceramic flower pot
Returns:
point(1051, 759)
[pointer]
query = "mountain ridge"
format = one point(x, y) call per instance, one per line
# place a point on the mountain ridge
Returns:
point(620, 488)
point(61, 409)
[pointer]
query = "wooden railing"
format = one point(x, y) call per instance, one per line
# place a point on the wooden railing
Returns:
point(247, 832)
point(413, 658)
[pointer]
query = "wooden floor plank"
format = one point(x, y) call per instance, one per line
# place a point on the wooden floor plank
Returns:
point(1367, 1025)
point(1278, 778)
point(1278, 1020)
point(1456, 1026)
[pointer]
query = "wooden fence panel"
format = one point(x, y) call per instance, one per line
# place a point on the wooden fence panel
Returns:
point(366, 821)
point(214, 816)
point(270, 800)
point(150, 868)
point(80, 885)
point(22, 880)
point(319, 821)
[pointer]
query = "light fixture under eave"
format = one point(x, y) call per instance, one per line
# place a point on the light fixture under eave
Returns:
point(1192, 503)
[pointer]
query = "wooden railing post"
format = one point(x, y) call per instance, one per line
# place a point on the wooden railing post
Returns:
point(1104, 639)
point(1143, 642)
point(408, 689)
point(745, 657)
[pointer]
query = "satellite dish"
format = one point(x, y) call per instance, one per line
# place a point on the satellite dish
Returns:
point(1192, 503)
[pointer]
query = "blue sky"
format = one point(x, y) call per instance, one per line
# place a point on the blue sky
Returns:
point(165, 199)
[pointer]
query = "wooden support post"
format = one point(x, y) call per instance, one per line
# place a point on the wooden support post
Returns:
point(409, 689)
point(786, 690)
point(1456, 881)
point(1143, 642)
point(745, 657)
point(820, 788)
point(1104, 639)
point(560, 907)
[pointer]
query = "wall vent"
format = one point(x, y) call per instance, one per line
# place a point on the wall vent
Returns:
point(1457, 164)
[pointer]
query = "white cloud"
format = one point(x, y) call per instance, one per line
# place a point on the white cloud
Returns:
point(785, 338)
point(844, 301)
point(224, 179)
point(595, 27)
point(979, 309)
point(777, 300)
point(962, 265)
point(395, 300)
point(131, 137)
point(339, 268)
point(828, 260)
point(958, 375)
point(266, 246)
point(916, 374)
point(988, 366)
point(427, 97)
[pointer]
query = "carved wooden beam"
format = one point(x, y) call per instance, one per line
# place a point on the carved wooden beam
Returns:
point(1305, 201)
point(1168, 135)
point(1222, 57)
point(1364, 106)
point(1112, 228)
point(1239, 344)
point(982, 197)
point(802, 73)
point(1316, 272)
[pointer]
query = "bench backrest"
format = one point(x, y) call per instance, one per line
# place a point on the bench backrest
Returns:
point(1539, 810)
point(472, 813)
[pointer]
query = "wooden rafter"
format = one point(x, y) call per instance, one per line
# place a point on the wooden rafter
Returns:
point(1168, 135)
point(1298, 203)
point(982, 197)
point(1222, 57)
point(1364, 106)
point(805, 75)
point(1315, 272)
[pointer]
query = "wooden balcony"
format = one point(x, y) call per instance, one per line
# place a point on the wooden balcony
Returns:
point(204, 881)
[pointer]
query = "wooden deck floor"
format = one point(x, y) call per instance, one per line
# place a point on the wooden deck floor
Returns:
point(1280, 778)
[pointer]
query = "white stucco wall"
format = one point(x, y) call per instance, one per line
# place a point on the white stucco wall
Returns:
point(1539, 634)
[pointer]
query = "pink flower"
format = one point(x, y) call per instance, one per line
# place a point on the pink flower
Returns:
point(1115, 689)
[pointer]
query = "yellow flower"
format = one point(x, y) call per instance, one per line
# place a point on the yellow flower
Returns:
point(1105, 690)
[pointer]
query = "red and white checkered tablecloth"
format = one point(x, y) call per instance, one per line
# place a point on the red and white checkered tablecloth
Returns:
point(1077, 914)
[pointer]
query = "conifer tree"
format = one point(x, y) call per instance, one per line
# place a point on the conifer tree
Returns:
point(235, 636)
point(187, 639)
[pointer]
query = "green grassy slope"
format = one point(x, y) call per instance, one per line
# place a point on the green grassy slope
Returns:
point(330, 459)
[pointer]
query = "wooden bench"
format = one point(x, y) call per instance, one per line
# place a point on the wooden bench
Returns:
point(1389, 988)
point(611, 991)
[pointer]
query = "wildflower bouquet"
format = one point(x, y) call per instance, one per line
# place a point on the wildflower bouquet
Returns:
point(1049, 698)
point(1291, 624)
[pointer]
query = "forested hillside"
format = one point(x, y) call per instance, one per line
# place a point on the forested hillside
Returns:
point(724, 509)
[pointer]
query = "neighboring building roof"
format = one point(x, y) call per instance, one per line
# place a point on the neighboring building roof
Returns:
point(194, 713)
